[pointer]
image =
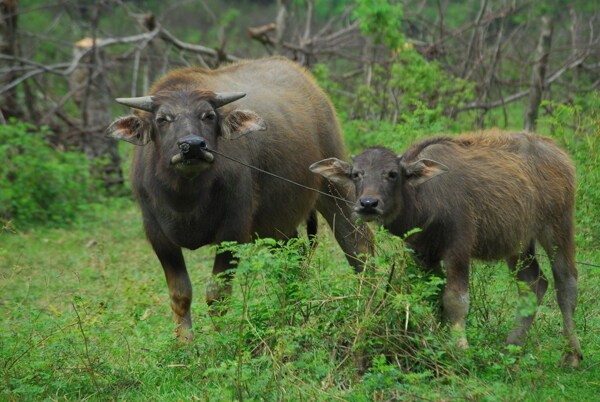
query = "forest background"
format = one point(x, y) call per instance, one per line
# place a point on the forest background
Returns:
point(85, 311)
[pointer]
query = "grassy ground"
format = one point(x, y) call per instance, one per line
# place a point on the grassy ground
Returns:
point(85, 315)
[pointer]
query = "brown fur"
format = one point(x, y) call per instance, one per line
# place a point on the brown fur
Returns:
point(488, 196)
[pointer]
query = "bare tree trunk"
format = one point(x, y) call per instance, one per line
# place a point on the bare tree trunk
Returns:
point(574, 43)
point(469, 60)
point(538, 75)
point(280, 24)
point(8, 28)
point(91, 95)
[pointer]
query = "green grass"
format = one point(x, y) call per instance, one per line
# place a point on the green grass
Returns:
point(85, 315)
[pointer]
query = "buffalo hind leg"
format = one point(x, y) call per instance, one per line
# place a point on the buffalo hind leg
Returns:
point(219, 287)
point(528, 271)
point(180, 288)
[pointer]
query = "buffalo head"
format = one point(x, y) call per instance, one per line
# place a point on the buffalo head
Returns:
point(378, 177)
point(184, 125)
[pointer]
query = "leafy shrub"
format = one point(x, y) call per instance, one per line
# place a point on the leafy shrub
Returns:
point(290, 321)
point(576, 126)
point(41, 185)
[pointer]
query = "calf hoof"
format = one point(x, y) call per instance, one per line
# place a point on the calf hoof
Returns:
point(462, 344)
point(459, 340)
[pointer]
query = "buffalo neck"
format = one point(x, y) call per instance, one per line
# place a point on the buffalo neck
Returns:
point(180, 193)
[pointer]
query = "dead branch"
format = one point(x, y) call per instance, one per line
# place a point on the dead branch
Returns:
point(203, 50)
point(260, 33)
point(514, 97)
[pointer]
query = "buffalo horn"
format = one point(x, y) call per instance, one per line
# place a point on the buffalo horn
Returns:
point(142, 103)
point(223, 98)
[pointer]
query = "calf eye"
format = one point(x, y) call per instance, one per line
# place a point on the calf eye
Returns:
point(392, 175)
point(356, 175)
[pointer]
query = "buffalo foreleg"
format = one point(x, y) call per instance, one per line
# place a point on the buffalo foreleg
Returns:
point(180, 287)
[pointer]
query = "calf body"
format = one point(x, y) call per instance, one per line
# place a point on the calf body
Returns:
point(487, 196)
point(266, 113)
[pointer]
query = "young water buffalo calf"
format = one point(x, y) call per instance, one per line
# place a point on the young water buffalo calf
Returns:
point(488, 196)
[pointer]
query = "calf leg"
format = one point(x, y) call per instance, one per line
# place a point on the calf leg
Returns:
point(528, 270)
point(565, 282)
point(561, 251)
point(455, 298)
point(435, 269)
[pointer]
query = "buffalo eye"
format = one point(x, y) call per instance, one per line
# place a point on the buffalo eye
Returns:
point(356, 175)
point(160, 120)
point(392, 175)
point(209, 116)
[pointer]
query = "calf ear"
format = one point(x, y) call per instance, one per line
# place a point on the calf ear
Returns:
point(241, 122)
point(424, 169)
point(131, 129)
point(334, 170)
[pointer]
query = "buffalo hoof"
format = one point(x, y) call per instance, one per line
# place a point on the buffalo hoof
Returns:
point(217, 293)
point(184, 336)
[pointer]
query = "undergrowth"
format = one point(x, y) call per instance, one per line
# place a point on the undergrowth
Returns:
point(42, 185)
point(95, 323)
point(86, 312)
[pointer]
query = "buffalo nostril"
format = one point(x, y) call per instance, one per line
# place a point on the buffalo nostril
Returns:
point(192, 147)
point(369, 202)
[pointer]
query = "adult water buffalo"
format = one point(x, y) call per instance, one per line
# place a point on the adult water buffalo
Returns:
point(487, 196)
point(267, 113)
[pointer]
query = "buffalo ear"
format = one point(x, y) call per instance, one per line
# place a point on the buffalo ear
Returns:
point(424, 169)
point(240, 122)
point(131, 129)
point(334, 170)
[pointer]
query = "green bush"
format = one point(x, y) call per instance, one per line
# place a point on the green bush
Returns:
point(576, 126)
point(39, 184)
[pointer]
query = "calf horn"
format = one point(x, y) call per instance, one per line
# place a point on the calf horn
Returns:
point(223, 98)
point(142, 103)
